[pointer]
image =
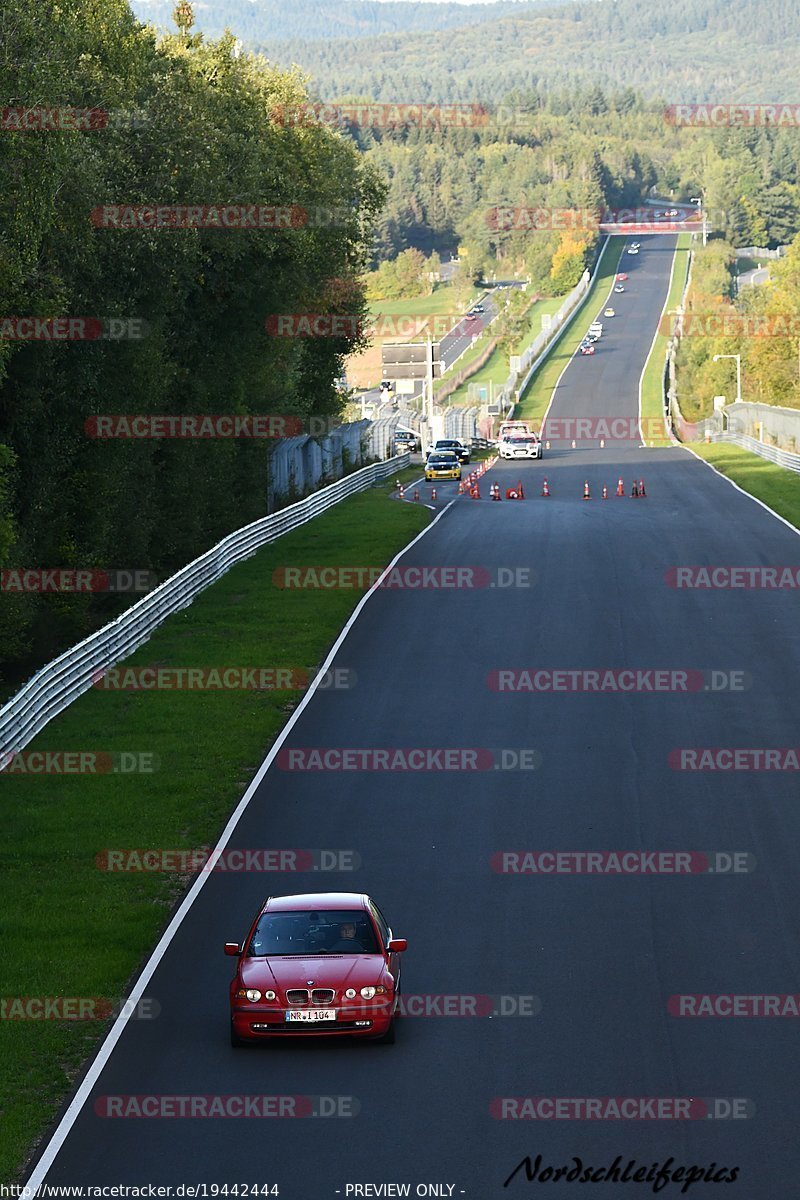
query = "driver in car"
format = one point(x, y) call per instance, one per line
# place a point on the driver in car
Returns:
point(347, 943)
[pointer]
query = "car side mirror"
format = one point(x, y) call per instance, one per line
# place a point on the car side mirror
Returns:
point(232, 948)
point(397, 945)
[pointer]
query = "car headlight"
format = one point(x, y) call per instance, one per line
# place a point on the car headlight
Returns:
point(270, 996)
point(368, 992)
point(253, 994)
point(350, 994)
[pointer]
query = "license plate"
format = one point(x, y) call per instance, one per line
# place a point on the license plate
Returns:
point(311, 1015)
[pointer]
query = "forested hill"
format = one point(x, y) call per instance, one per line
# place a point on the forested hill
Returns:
point(683, 50)
point(263, 22)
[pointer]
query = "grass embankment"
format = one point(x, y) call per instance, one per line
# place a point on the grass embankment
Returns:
point(73, 930)
point(652, 382)
point(536, 397)
point(776, 486)
point(495, 370)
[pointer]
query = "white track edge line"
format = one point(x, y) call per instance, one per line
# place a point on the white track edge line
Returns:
point(733, 483)
point(62, 1130)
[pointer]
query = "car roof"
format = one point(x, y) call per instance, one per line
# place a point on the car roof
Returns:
point(305, 901)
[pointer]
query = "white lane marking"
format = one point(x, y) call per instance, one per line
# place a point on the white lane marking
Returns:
point(727, 478)
point(64, 1126)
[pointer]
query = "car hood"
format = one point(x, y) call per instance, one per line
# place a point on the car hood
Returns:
point(327, 970)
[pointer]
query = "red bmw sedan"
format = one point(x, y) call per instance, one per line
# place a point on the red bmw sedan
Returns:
point(317, 964)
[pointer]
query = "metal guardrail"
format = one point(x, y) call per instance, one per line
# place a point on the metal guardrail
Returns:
point(781, 458)
point(56, 685)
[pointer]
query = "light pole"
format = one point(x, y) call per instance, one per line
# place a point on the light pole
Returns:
point(699, 202)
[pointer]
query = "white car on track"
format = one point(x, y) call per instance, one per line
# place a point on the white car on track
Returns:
point(524, 445)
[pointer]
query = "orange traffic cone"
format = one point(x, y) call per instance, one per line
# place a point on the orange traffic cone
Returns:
point(401, 492)
point(605, 492)
point(642, 492)
point(545, 488)
point(547, 445)
point(433, 493)
point(620, 488)
point(461, 487)
point(586, 495)
point(573, 443)
point(475, 492)
point(635, 490)
point(521, 490)
point(416, 493)
point(511, 494)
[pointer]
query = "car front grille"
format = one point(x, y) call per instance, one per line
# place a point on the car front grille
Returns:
point(297, 997)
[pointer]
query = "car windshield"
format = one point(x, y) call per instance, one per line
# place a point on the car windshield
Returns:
point(283, 934)
point(442, 460)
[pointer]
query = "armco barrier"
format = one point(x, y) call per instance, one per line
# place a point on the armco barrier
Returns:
point(541, 346)
point(56, 685)
point(781, 458)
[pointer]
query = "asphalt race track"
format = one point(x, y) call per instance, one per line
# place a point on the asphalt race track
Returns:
point(600, 953)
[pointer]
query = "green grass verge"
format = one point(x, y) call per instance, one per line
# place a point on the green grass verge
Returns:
point(536, 397)
point(776, 486)
point(73, 930)
point(652, 383)
point(495, 370)
point(441, 300)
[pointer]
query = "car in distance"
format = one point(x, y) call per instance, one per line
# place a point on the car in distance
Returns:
point(622, 276)
point(315, 964)
point(451, 446)
point(595, 331)
point(609, 312)
point(405, 439)
point(442, 464)
point(619, 289)
point(633, 250)
point(587, 348)
point(524, 445)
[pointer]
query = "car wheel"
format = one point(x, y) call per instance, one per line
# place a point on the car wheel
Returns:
point(235, 1039)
